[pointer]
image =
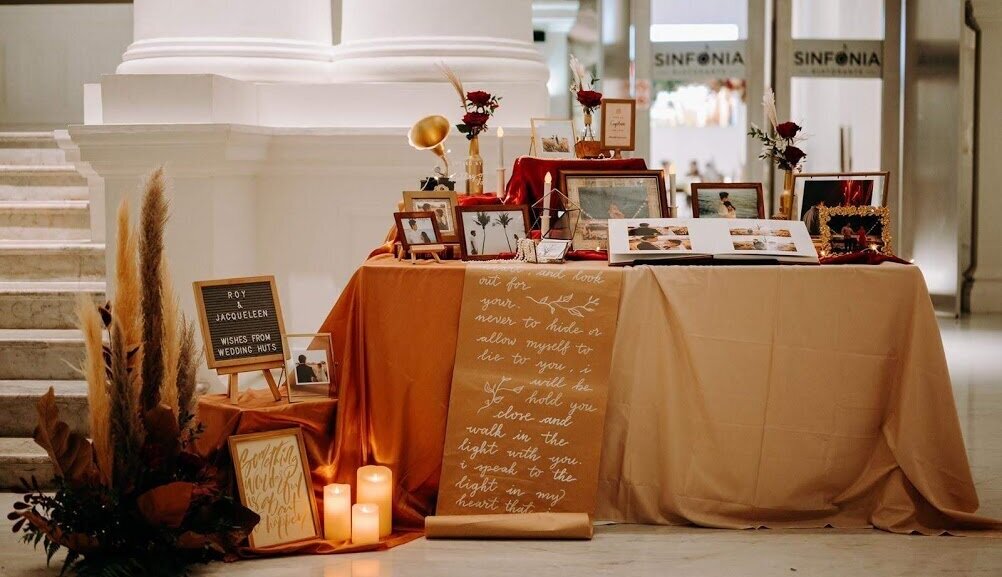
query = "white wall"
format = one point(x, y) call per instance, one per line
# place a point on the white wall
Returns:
point(47, 53)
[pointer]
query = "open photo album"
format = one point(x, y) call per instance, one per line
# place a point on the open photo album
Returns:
point(667, 240)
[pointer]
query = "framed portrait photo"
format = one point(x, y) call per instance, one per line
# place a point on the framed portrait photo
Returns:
point(619, 123)
point(441, 202)
point(811, 192)
point(284, 501)
point(553, 137)
point(487, 232)
point(310, 372)
point(727, 200)
point(417, 229)
point(612, 194)
point(849, 229)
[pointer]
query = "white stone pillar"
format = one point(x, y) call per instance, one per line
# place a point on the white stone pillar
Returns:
point(986, 292)
point(266, 40)
point(555, 19)
point(488, 44)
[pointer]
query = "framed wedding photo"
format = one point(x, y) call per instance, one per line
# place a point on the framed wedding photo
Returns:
point(441, 202)
point(619, 123)
point(417, 229)
point(553, 137)
point(727, 200)
point(310, 372)
point(487, 232)
point(811, 192)
point(612, 194)
point(284, 501)
point(849, 229)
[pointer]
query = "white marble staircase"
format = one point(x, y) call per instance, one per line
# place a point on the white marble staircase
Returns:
point(46, 260)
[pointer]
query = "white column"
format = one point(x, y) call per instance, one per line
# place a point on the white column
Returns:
point(488, 44)
point(267, 40)
point(556, 18)
point(986, 292)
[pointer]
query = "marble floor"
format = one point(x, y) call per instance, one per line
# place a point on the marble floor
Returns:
point(974, 349)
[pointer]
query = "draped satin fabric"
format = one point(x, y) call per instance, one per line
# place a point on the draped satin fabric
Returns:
point(740, 396)
point(526, 183)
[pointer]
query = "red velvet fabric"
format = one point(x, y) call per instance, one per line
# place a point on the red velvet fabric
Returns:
point(526, 183)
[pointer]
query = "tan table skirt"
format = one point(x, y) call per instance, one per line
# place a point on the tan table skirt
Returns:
point(740, 396)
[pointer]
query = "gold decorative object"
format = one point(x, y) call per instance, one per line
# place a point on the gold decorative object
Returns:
point(825, 213)
point(475, 168)
point(786, 197)
point(430, 133)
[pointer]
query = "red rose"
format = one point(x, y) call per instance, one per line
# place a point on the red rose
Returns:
point(788, 130)
point(589, 98)
point(475, 119)
point(479, 98)
point(793, 155)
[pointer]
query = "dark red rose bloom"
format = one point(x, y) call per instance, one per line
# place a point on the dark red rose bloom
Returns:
point(589, 98)
point(475, 119)
point(479, 98)
point(788, 130)
point(793, 155)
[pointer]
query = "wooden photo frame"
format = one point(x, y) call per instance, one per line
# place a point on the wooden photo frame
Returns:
point(243, 344)
point(727, 200)
point(619, 124)
point(441, 202)
point(283, 450)
point(552, 137)
point(417, 229)
point(841, 225)
point(315, 376)
point(835, 189)
point(475, 222)
point(629, 194)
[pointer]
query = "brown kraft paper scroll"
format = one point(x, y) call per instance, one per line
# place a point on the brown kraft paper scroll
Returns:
point(529, 390)
point(517, 526)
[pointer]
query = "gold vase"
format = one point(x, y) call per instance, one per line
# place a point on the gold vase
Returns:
point(474, 168)
point(786, 197)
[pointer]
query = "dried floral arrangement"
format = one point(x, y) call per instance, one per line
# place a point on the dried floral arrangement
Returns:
point(478, 106)
point(135, 499)
point(583, 87)
point(779, 143)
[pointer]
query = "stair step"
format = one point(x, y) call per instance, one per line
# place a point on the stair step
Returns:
point(72, 261)
point(44, 139)
point(44, 305)
point(21, 457)
point(42, 182)
point(44, 220)
point(20, 401)
point(46, 354)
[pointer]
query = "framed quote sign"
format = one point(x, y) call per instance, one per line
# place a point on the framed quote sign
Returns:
point(274, 480)
point(619, 130)
point(242, 327)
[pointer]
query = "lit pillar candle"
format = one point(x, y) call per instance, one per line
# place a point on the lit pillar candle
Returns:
point(671, 192)
point(365, 524)
point(544, 226)
point(337, 512)
point(375, 486)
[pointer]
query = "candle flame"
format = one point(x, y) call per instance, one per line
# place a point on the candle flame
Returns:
point(500, 132)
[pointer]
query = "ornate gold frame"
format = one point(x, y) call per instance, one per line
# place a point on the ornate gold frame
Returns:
point(826, 212)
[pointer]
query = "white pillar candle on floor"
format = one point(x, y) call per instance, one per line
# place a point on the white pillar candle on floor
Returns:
point(337, 512)
point(375, 485)
point(365, 524)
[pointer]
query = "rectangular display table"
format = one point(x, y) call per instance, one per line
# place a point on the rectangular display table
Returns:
point(740, 396)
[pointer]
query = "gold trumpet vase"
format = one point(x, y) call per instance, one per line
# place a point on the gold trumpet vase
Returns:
point(474, 168)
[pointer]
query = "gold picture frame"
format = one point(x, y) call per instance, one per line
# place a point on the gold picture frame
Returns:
point(415, 201)
point(613, 137)
point(801, 180)
point(281, 444)
point(880, 214)
point(537, 147)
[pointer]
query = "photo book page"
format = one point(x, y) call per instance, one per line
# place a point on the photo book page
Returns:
point(685, 239)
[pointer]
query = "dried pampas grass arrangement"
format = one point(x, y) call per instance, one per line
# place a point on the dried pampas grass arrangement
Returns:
point(90, 324)
point(152, 223)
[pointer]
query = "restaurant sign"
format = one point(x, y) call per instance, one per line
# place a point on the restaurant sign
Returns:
point(838, 58)
point(699, 60)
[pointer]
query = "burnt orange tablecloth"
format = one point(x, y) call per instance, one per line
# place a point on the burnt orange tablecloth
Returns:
point(739, 397)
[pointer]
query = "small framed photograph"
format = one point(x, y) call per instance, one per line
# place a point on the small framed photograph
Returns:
point(849, 229)
point(441, 202)
point(811, 192)
point(619, 118)
point(417, 229)
point(487, 232)
point(310, 373)
point(603, 195)
point(274, 480)
point(727, 200)
point(551, 250)
point(553, 137)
